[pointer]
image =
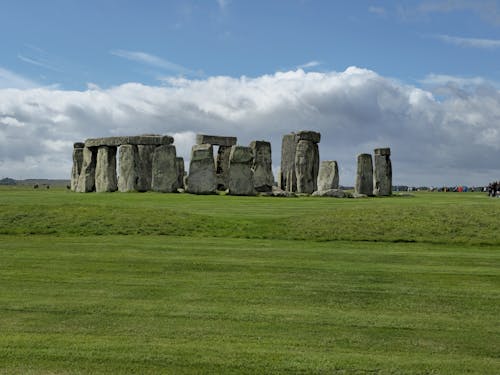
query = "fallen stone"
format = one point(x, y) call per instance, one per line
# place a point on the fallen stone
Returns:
point(358, 195)
point(277, 192)
point(105, 170)
point(336, 193)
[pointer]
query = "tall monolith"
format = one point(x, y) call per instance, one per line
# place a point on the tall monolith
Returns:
point(306, 166)
point(262, 166)
point(105, 170)
point(77, 164)
point(201, 178)
point(288, 181)
point(382, 172)
point(364, 176)
point(128, 173)
point(240, 171)
point(328, 176)
point(145, 166)
point(164, 169)
point(86, 180)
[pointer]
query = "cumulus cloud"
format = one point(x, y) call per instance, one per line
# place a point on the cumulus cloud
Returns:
point(451, 140)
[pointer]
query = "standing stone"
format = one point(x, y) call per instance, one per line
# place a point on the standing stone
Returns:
point(306, 166)
point(364, 177)
point(241, 180)
point(262, 166)
point(382, 172)
point(164, 169)
point(180, 172)
point(128, 175)
point(288, 179)
point(86, 180)
point(222, 167)
point(201, 179)
point(105, 170)
point(145, 166)
point(328, 176)
point(77, 164)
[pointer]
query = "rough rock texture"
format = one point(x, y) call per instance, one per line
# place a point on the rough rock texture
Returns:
point(359, 195)
point(382, 172)
point(335, 193)
point(364, 176)
point(130, 140)
point(105, 170)
point(128, 174)
point(278, 192)
point(222, 167)
point(288, 180)
point(77, 164)
point(201, 178)
point(328, 176)
point(180, 172)
point(145, 166)
point(308, 135)
point(164, 169)
point(306, 166)
point(262, 166)
point(86, 180)
point(240, 171)
point(215, 140)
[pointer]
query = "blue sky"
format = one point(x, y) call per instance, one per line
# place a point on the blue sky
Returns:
point(419, 76)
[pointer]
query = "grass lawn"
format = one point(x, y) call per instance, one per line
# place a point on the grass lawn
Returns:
point(165, 283)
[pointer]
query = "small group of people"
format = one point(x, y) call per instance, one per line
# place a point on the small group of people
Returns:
point(494, 189)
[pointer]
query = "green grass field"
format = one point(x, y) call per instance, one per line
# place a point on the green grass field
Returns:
point(174, 283)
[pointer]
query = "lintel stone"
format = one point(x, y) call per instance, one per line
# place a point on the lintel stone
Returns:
point(215, 140)
point(130, 140)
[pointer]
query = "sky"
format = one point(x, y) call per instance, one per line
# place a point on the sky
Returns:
point(420, 77)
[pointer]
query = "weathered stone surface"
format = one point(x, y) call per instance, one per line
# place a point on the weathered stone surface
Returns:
point(328, 176)
point(77, 166)
point(130, 140)
point(364, 176)
point(164, 169)
point(335, 193)
point(306, 166)
point(359, 195)
point(180, 172)
point(78, 145)
point(222, 167)
point(308, 135)
point(382, 172)
point(240, 171)
point(201, 178)
point(262, 166)
point(386, 151)
point(215, 140)
point(288, 180)
point(128, 174)
point(105, 170)
point(86, 180)
point(145, 166)
point(278, 192)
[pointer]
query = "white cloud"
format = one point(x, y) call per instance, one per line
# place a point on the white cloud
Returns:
point(452, 141)
point(158, 62)
point(9, 79)
point(380, 11)
point(469, 42)
point(310, 64)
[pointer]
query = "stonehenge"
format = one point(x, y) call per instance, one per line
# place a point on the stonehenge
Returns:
point(218, 164)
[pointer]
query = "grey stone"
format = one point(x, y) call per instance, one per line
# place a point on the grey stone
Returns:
point(262, 166)
point(215, 140)
point(201, 178)
point(78, 145)
point(240, 171)
point(77, 165)
point(364, 176)
point(164, 169)
point(180, 172)
point(359, 195)
point(128, 174)
point(288, 180)
point(222, 167)
point(86, 180)
point(278, 192)
point(130, 140)
point(335, 193)
point(145, 166)
point(306, 166)
point(105, 170)
point(328, 176)
point(308, 135)
point(382, 172)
